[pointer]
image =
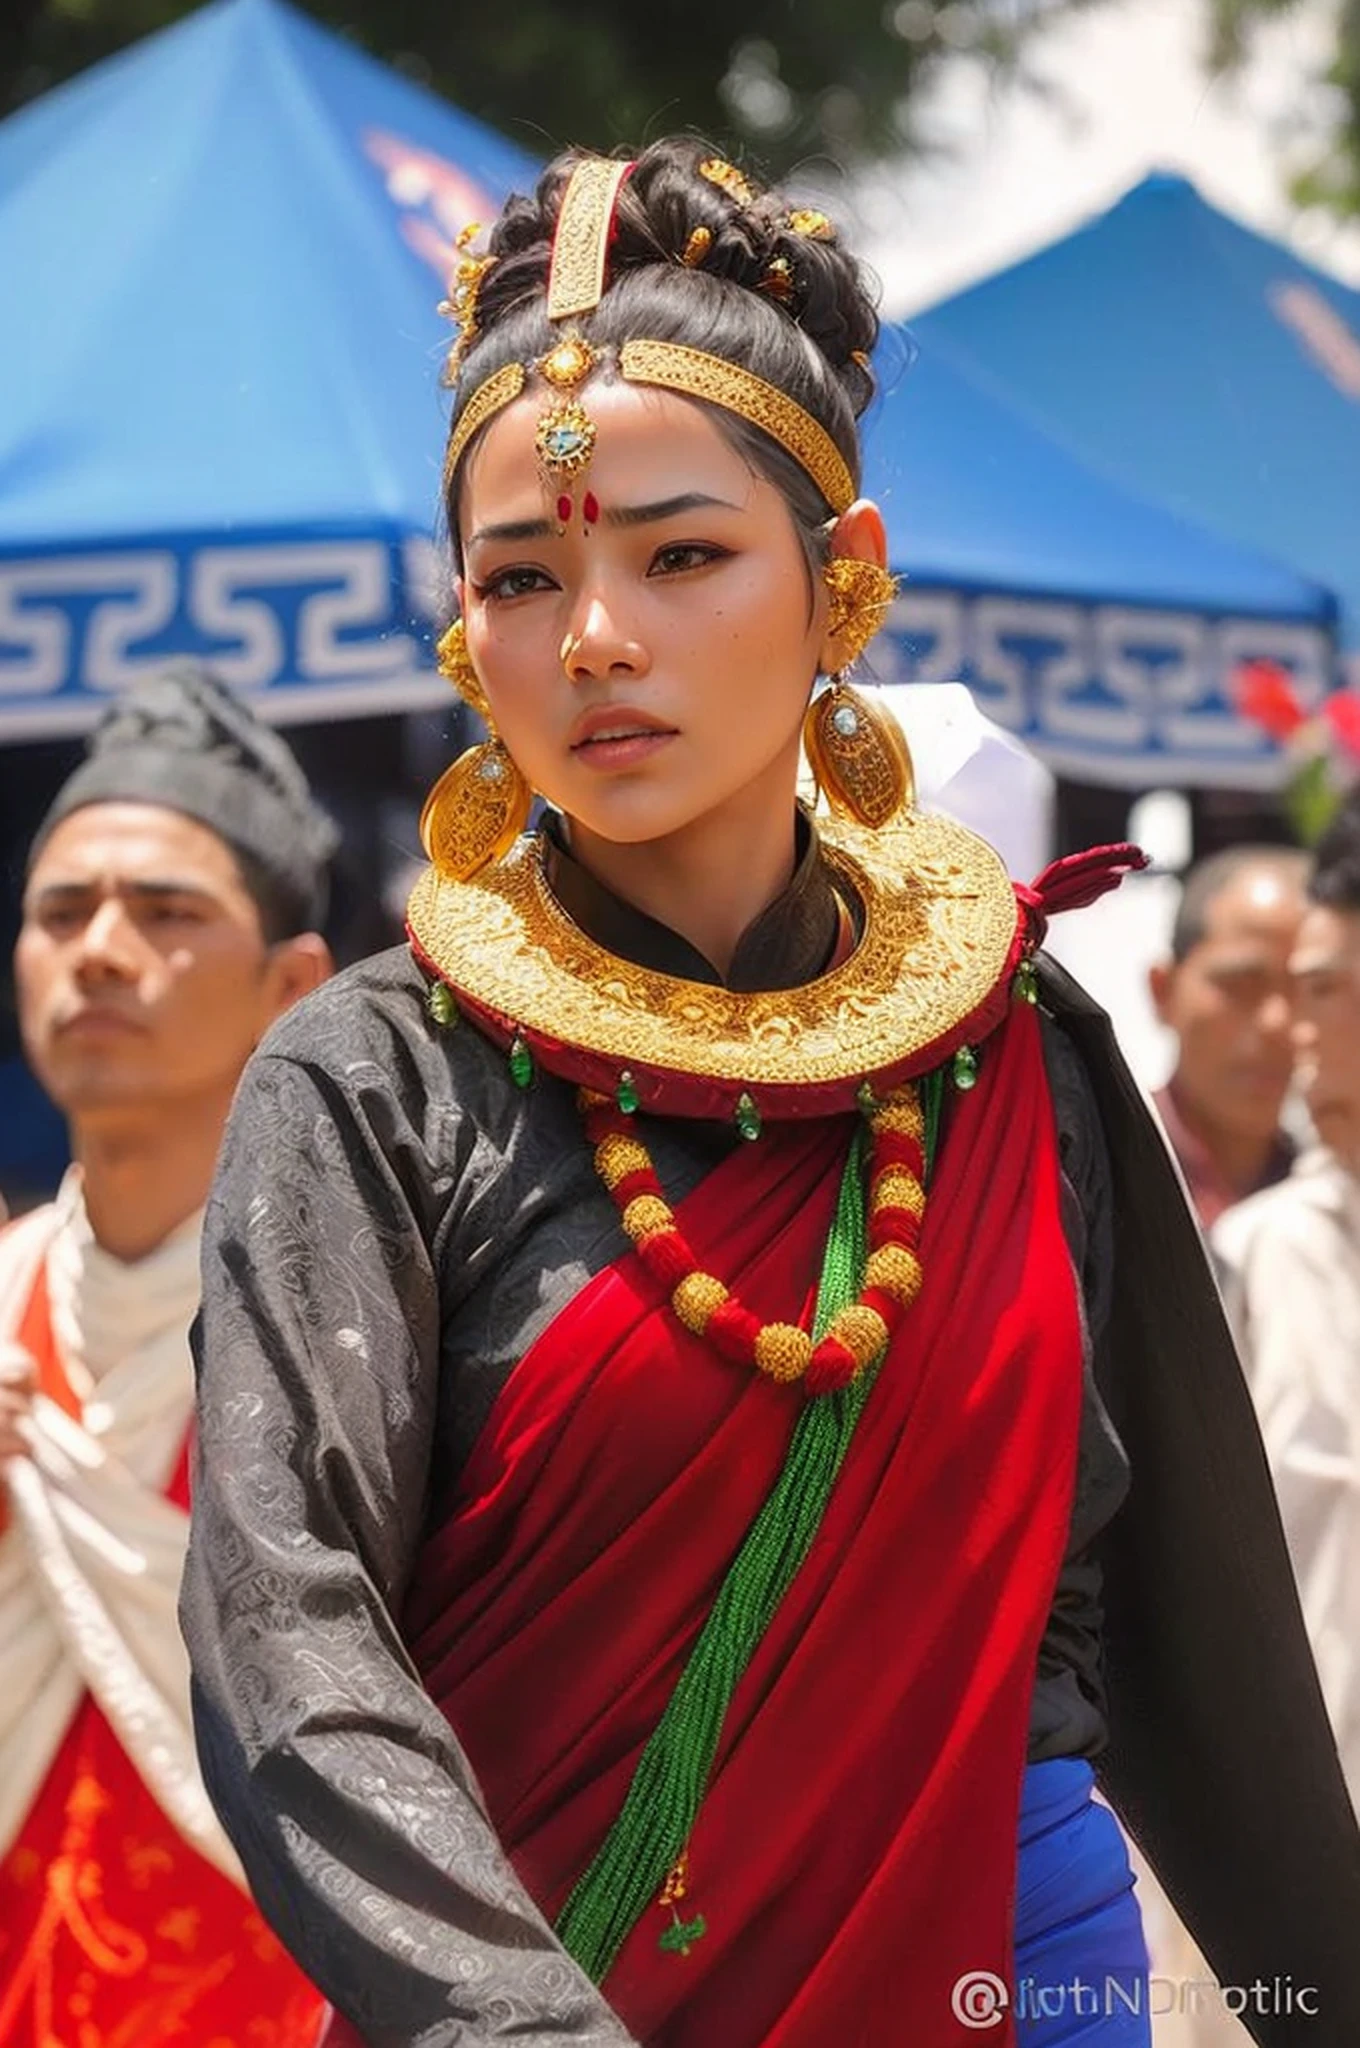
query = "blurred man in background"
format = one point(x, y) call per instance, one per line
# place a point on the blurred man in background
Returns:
point(170, 915)
point(1291, 1260)
point(1225, 994)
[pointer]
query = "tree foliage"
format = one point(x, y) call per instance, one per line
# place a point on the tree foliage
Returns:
point(1330, 173)
point(790, 80)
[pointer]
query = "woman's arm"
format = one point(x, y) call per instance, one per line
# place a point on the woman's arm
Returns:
point(352, 1806)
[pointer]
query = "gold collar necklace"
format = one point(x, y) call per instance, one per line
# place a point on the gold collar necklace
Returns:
point(942, 936)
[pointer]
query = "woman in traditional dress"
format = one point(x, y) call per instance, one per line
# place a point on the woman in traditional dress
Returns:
point(676, 1336)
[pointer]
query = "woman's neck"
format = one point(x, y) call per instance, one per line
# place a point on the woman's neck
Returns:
point(707, 882)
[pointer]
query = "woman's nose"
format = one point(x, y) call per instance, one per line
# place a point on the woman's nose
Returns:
point(601, 642)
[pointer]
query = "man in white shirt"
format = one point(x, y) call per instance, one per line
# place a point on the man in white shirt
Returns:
point(168, 919)
point(1291, 1259)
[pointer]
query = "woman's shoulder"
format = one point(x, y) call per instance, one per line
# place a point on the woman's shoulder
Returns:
point(368, 1035)
point(365, 1006)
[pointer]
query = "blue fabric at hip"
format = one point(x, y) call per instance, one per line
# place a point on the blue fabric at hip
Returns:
point(1081, 1968)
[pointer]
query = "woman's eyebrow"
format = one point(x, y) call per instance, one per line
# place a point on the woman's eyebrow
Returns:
point(665, 508)
point(619, 515)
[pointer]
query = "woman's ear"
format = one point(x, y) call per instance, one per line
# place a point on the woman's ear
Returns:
point(859, 534)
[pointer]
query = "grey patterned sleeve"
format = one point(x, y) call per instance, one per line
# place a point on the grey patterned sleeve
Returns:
point(351, 1804)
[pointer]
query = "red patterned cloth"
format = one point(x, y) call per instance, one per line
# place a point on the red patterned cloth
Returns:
point(114, 1933)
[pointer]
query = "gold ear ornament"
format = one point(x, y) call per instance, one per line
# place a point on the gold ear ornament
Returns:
point(455, 665)
point(859, 596)
point(858, 755)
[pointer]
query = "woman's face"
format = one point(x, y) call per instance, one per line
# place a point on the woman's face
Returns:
point(648, 670)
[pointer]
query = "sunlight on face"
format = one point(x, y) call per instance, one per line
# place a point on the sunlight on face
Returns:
point(687, 614)
point(141, 969)
point(1325, 969)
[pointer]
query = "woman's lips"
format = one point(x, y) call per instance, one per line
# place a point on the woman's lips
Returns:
point(621, 749)
point(617, 736)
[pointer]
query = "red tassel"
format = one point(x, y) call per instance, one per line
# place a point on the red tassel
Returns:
point(832, 1366)
point(667, 1257)
point(643, 1182)
point(895, 1148)
point(889, 1308)
point(733, 1330)
point(894, 1226)
point(1076, 880)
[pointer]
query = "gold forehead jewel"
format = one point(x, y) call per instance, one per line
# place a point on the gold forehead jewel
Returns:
point(568, 364)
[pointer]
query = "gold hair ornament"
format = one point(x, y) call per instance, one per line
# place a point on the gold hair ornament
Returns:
point(728, 179)
point(695, 374)
point(813, 225)
point(461, 304)
point(566, 434)
point(585, 221)
point(502, 388)
point(697, 245)
point(777, 280)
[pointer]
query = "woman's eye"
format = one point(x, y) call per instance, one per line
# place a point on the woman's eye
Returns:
point(514, 583)
point(685, 554)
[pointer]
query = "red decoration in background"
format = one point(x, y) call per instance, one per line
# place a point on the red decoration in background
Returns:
point(1264, 692)
point(1342, 712)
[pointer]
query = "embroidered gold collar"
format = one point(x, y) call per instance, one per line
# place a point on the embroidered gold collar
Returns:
point(940, 926)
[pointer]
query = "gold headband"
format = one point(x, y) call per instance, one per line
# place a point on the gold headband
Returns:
point(693, 374)
point(576, 284)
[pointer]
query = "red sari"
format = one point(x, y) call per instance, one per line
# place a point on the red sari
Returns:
point(854, 1856)
point(114, 1933)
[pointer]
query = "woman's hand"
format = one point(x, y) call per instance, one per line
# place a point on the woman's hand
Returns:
point(18, 1378)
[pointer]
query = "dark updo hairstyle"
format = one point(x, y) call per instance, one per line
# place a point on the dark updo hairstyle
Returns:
point(811, 341)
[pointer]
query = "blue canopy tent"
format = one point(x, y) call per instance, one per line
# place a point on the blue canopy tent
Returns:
point(1096, 624)
point(221, 353)
point(224, 426)
point(1192, 360)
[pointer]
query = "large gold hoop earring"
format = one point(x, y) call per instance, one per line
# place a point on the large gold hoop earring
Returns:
point(859, 595)
point(858, 755)
point(476, 811)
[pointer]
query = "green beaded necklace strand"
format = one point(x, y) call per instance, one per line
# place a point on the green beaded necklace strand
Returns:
point(642, 1855)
